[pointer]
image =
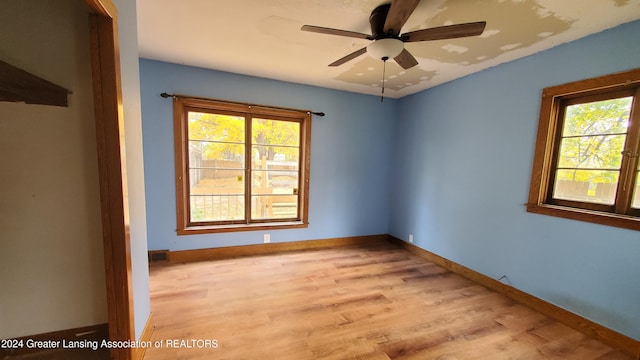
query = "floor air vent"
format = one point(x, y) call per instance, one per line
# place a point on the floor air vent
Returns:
point(159, 256)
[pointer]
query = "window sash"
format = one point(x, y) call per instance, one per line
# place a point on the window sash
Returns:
point(556, 168)
point(261, 169)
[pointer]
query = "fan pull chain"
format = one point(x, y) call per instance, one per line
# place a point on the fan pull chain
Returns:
point(384, 69)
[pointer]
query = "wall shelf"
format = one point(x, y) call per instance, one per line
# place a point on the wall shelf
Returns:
point(17, 85)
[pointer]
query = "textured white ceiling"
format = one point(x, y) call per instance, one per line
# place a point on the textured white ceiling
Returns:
point(263, 37)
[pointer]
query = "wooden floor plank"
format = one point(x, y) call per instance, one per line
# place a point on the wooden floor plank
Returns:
point(377, 302)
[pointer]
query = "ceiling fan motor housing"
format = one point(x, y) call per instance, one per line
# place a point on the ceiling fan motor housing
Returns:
point(376, 19)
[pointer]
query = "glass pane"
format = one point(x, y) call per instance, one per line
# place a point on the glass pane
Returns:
point(275, 132)
point(275, 194)
point(216, 194)
point(217, 207)
point(274, 207)
point(274, 182)
point(215, 154)
point(216, 127)
point(592, 152)
point(216, 181)
point(275, 158)
point(594, 186)
point(596, 118)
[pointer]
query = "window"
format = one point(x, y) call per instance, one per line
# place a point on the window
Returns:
point(586, 164)
point(240, 167)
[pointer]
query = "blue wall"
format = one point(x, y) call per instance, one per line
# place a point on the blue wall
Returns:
point(461, 171)
point(450, 165)
point(350, 154)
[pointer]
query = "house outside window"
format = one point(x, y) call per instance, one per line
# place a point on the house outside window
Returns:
point(587, 158)
point(240, 167)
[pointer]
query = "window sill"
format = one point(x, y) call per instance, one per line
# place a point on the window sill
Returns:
point(617, 220)
point(211, 229)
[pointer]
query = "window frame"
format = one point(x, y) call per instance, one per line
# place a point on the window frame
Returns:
point(181, 107)
point(554, 100)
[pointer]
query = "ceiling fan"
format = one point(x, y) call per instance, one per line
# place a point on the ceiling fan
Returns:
point(386, 22)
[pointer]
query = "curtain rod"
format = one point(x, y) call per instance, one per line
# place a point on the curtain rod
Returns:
point(165, 95)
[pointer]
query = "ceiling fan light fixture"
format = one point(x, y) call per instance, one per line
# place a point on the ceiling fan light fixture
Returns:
point(389, 48)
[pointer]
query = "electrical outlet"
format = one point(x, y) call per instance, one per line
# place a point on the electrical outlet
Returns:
point(411, 238)
point(267, 238)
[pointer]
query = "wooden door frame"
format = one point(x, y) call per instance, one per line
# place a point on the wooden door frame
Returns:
point(109, 121)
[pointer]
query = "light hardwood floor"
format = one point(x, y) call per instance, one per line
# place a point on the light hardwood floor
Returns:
point(375, 302)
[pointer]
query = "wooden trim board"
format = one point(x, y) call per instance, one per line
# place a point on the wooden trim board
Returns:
point(262, 249)
point(19, 85)
point(94, 332)
point(138, 353)
point(577, 322)
point(109, 122)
